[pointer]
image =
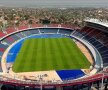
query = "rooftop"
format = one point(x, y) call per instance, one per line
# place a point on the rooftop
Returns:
point(97, 21)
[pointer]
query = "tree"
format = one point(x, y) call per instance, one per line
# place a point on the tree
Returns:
point(1, 26)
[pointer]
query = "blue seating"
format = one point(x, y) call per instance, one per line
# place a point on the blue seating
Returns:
point(7, 41)
point(1, 53)
point(34, 31)
point(13, 52)
point(65, 31)
point(78, 34)
point(105, 59)
point(104, 48)
point(10, 39)
point(3, 46)
point(87, 37)
point(27, 33)
point(104, 52)
point(20, 35)
point(48, 30)
point(15, 37)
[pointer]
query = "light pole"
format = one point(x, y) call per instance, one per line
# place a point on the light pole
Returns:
point(40, 82)
point(102, 81)
point(102, 78)
point(40, 79)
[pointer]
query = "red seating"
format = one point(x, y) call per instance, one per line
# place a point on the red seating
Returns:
point(36, 25)
point(52, 25)
point(94, 32)
point(10, 39)
point(67, 26)
point(22, 27)
point(84, 29)
point(2, 49)
point(98, 34)
point(10, 30)
point(2, 34)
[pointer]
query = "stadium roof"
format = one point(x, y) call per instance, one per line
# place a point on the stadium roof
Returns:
point(97, 21)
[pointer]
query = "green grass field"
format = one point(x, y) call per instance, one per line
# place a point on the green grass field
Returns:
point(43, 54)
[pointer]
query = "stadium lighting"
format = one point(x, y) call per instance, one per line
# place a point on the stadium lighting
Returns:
point(102, 78)
point(40, 79)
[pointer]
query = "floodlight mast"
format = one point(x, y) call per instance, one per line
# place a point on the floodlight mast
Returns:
point(103, 78)
point(40, 79)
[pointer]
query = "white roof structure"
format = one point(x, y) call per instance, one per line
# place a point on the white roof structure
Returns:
point(97, 21)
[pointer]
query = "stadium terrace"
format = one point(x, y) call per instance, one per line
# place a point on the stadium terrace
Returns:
point(54, 57)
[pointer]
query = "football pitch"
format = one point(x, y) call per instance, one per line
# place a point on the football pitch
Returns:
point(43, 54)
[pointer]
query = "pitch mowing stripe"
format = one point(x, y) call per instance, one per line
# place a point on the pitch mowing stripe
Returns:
point(39, 55)
point(69, 51)
point(60, 53)
point(27, 57)
point(75, 54)
point(42, 53)
point(67, 59)
point(53, 62)
point(35, 59)
point(63, 57)
point(31, 56)
point(50, 57)
point(35, 54)
point(53, 55)
point(49, 54)
point(57, 55)
point(78, 55)
point(17, 65)
point(24, 46)
point(44, 59)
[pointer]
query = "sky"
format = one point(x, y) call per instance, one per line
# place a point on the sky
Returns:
point(54, 3)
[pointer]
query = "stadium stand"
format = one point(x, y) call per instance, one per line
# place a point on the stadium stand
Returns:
point(27, 33)
point(64, 31)
point(2, 34)
point(15, 37)
point(10, 30)
point(22, 27)
point(94, 35)
point(48, 30)
point(34, 31)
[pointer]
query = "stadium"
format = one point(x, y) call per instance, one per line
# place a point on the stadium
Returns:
point(54, 57)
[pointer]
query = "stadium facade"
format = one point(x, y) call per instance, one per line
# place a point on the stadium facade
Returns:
point(93, 35)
